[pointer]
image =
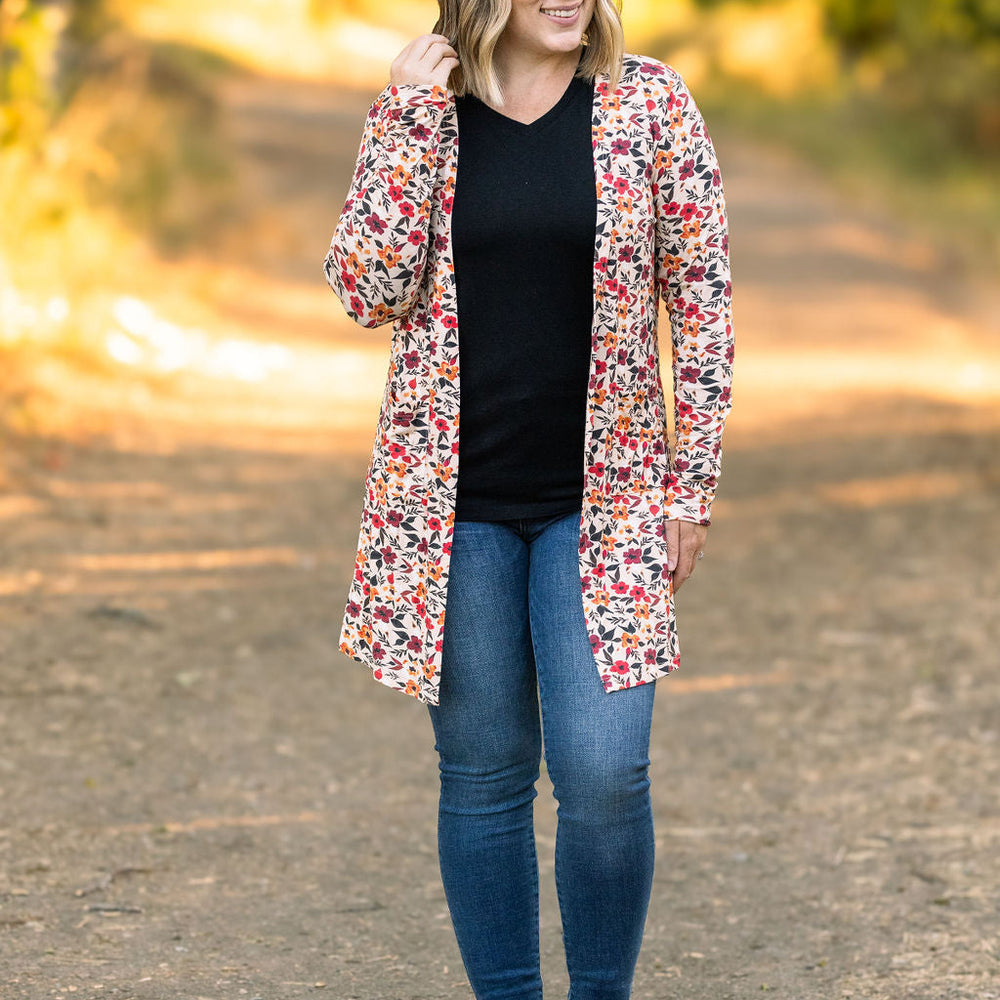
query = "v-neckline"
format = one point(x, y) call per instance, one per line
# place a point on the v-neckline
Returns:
point(542, 120)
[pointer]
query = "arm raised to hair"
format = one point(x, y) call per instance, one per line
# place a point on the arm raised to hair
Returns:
point(378, 252)
point(693, 276)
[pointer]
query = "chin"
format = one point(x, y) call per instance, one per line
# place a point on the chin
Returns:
point(560, 41)
point(561, 44)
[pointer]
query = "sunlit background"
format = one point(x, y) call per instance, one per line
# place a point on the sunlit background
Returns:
point(165, 161)
point(185, 416)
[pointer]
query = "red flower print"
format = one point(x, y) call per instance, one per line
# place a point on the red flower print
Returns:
point(661, 239)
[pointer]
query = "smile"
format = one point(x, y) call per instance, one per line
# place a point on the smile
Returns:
point(566, 14)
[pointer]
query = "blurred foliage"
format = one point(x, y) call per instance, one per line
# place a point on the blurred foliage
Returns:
point(896, 95)
point(905, 117)
point(390, 15)
point(936, 62)
point(94, 120)
point(928, 59)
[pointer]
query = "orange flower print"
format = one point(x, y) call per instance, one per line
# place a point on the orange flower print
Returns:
point(660, 240)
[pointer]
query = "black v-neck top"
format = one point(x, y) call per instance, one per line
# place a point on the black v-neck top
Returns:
point(523, 234)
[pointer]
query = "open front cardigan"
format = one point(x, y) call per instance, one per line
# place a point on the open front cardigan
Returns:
point(661, 231)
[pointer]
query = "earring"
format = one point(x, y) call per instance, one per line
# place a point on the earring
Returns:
point(584, 38)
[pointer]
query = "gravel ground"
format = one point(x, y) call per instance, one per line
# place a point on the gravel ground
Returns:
point(199, 796)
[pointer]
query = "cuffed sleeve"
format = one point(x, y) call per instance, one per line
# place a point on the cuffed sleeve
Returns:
point(693, 275)
point(378, 252)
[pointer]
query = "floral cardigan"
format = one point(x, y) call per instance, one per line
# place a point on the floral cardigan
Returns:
point(661, 231)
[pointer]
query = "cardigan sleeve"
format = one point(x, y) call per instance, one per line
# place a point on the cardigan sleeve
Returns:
point(693, 275)
point(379, 248)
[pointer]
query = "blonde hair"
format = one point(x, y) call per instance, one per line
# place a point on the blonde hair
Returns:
point(473, 27)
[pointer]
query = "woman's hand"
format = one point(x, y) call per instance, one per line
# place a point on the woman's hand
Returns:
point(685, 539)
point(427, 59)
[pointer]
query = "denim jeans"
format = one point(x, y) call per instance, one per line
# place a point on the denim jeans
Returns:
point(515, 638)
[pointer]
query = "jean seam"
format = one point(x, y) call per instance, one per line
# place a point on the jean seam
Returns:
point(562, 912)
point(535, 926)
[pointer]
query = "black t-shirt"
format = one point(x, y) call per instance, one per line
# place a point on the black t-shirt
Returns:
point(523, 232)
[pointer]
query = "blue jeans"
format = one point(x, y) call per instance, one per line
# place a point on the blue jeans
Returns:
point(515, 636)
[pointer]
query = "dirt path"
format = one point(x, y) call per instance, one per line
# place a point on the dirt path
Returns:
point(198, 793)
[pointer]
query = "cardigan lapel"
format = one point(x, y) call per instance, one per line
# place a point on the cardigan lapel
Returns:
point(600, 410)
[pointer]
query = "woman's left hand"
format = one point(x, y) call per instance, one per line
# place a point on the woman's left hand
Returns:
point(685, 540)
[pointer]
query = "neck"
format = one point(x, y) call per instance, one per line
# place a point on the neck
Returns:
point(523, 69)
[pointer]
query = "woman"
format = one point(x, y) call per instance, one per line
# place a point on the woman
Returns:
point(535, 590)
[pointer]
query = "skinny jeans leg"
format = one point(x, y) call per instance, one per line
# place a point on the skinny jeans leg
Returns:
point(488, 736)
point(517, 659)
point(597, 756)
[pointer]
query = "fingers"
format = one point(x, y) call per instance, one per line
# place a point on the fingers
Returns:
point(432, 69)
point(428, 58)
point(685, 562)
point(423, 43)
point(673, 532)
point(685, 567)
point(685, 539)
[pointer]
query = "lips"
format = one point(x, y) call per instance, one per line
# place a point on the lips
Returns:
point(564, 14)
